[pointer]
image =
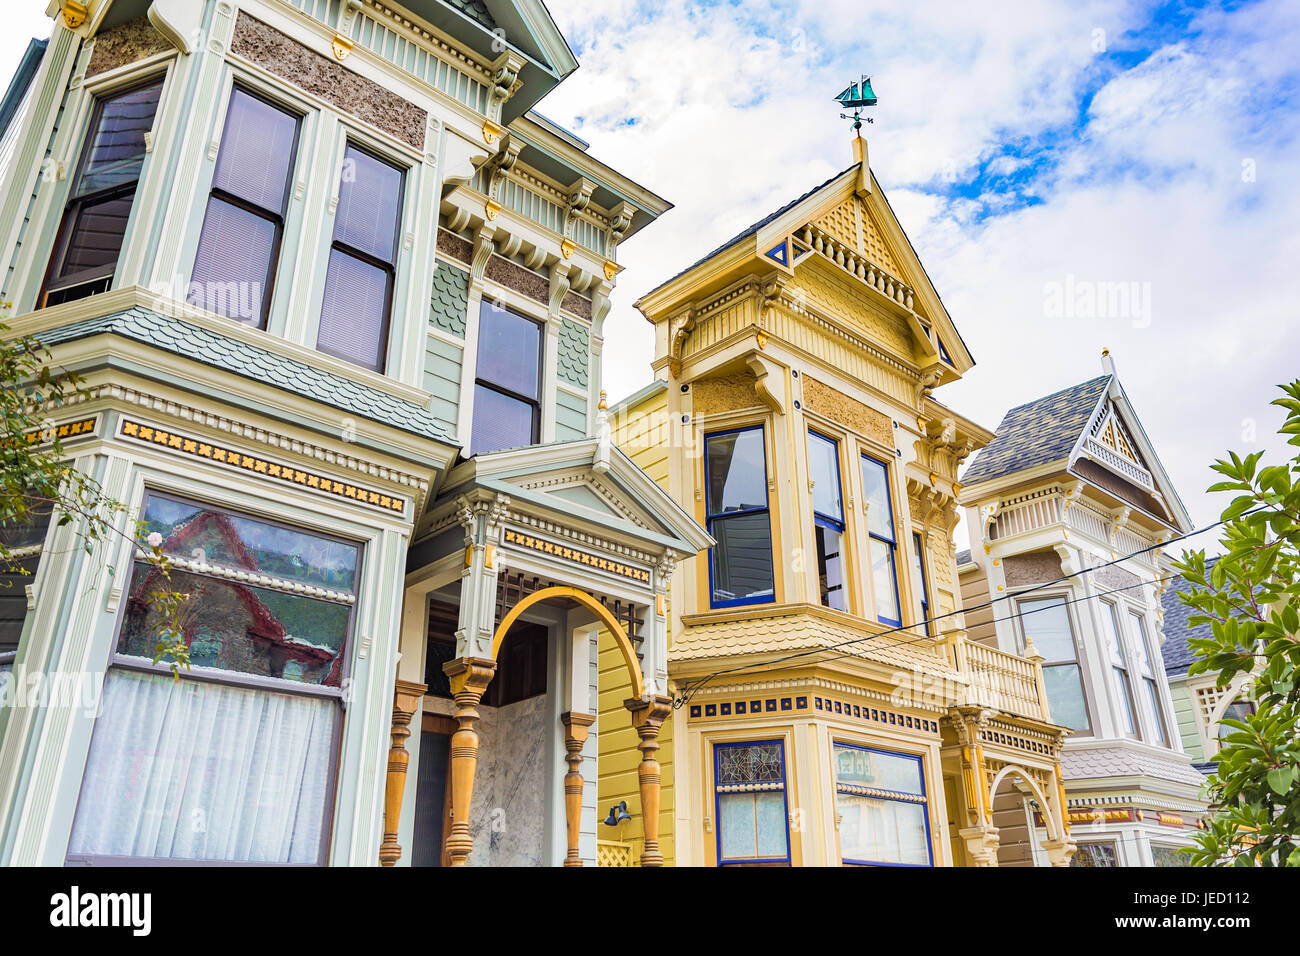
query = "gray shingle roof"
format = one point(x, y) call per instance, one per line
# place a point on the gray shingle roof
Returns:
point(1175, 652)
point(1038, 432)
point(211, 348)
point(1125, 762)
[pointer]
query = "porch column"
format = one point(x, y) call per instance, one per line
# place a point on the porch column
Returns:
point(406, 701)
point(575, 737)
point(469, 678)
point(1060, 846)
point(647, 717)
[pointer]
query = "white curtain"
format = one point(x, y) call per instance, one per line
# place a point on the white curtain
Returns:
point(202, 771)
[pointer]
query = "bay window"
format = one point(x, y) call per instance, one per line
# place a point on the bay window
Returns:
point(1047, 622)
point(828, 518)
point(239, 246)
point(507, 381)
point(1145, 652)
point(883, 540)
point(234, 762)
point(1118, 667)
point(749, 786)
point(880, 799)
point(736, 508)
point(89, 240)
point(362, 266)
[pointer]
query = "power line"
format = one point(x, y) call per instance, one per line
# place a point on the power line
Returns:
point(692, 688)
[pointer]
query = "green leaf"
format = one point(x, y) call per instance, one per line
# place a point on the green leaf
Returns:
point(1279, 780)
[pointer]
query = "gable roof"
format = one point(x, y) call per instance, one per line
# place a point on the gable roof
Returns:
point(1175, 652)
point(1038, 432)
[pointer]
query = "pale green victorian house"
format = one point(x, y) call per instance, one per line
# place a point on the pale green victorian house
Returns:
point(336, 292)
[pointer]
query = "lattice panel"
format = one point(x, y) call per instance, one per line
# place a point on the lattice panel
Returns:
point(875, 247)
point(609, 853)
point(1207, 700)
point(841, 222)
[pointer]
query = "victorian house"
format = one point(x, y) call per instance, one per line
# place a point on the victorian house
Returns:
point(832, 710)
point(336, 293)
point(1067, 509)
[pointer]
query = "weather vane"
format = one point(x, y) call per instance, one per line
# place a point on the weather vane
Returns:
point(854, 98)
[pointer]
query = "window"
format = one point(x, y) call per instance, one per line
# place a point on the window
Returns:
point(884, 542)
point(749, 782)
point(233, 763)
point(881, 802)
point(918, 568)
point(740, 564)
point(1148, 675)
point(1169, 856)
point(1094, 853)
point(1118, 666)
point(1047, 623)
point(363, 261)
point(828, 518)
point(103, 190)
point(24, 541)
point(234, 269)
point(507, 383)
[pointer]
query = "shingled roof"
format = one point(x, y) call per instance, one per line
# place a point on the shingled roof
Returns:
point(1175, 651)
point(1038, 432)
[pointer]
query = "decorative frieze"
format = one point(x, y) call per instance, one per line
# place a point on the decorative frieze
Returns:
point(595, 561)
point(125, 43)
point(454, 246)
point(726, 393)
point(847, 411)
point(516, 277)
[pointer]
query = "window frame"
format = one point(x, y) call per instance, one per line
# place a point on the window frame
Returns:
point(872, 537)
point(1078, 661)
point(534, 403)
point(829, 522)
point(719, 745)
point(924, 802)
point(244, 681)
point(278, 220)
point(66, 226)
point(709, 518)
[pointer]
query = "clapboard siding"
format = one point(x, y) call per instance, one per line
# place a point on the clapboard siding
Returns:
point(442, 364)
point(570, 416)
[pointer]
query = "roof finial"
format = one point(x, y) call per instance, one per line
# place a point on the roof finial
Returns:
point(1107, 363)
point(602, 406)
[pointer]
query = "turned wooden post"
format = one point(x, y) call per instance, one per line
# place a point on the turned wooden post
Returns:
point(469, 678)
point(647, 717)
point(576, 727)
point(406, 701)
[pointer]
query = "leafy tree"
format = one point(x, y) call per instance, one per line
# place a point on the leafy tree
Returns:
point(1250, 599)
point(37, 484)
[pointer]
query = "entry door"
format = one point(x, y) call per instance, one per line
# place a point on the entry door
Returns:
point(433, 792)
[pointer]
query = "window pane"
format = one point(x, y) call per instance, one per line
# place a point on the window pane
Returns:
point(882, 831)
point(1119, 666)
point(738, 824)
point(233, 263)
point(830, 569)
point(1048, 624)
point(370, 200)
point(96, 237)
point(1169, 856)
point(918, 569)
point(1064, 687)
point(769, 811)
point(354, 315)
point(509, 347)
point(190, 770)
point(824, 470)
point(256, 148)
point(751, 764)
point(884, 582)
point(1094, 855)
point(500, 421)
point(742, 558)
point(1140, 645)
point(234, 541)
point(15, 576)
point(114, 150)
point(235, 627)
point(1153, 698)
point(27, 533)
point(871, 768)
point(737, 471)
point(875, 485)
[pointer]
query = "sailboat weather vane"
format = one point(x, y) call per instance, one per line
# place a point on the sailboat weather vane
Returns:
point(855, 97)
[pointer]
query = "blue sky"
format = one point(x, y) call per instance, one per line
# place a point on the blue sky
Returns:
point(1025, 147)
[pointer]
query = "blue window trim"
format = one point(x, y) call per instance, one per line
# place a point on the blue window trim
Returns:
point(892, 543)
point(717, 803)
point(925, 807)
point(709, 518)
point(821, 520)
point(925, 588)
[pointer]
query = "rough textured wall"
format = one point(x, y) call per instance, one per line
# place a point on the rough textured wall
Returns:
point(511, 806)
point(848, 411)
point(1033, 568)
point(125, 43)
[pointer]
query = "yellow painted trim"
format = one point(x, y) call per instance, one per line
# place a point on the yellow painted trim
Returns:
point(589, 602)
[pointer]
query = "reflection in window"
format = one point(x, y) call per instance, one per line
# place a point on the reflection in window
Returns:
point(1091, 854)
point(1118, 666)
point(1168, 856)
point(740, 564)
point(1144, 652)
point(828, 518)
point(94, 223)
point(1047, 623)
point(880, 798)
point(883, 540)
point(749, 783)
point(918, 568)
point(507, 381)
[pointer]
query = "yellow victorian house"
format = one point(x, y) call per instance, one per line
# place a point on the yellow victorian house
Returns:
point(828, 707)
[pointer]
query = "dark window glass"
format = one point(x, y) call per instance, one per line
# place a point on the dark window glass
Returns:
point(14, 578)
point(740, 564)
point(444, 620)
point(363, 261)
point(235, 265)
point(94, 223)
point(507, 407)
point(830, 568)
point(521, 666)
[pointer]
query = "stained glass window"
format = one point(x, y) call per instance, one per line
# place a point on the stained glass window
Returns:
point(881, 802)
point(1094, 854)
point(749, 781)
point(1169, 856)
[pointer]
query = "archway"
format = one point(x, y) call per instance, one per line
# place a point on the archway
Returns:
point(1012, 817)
